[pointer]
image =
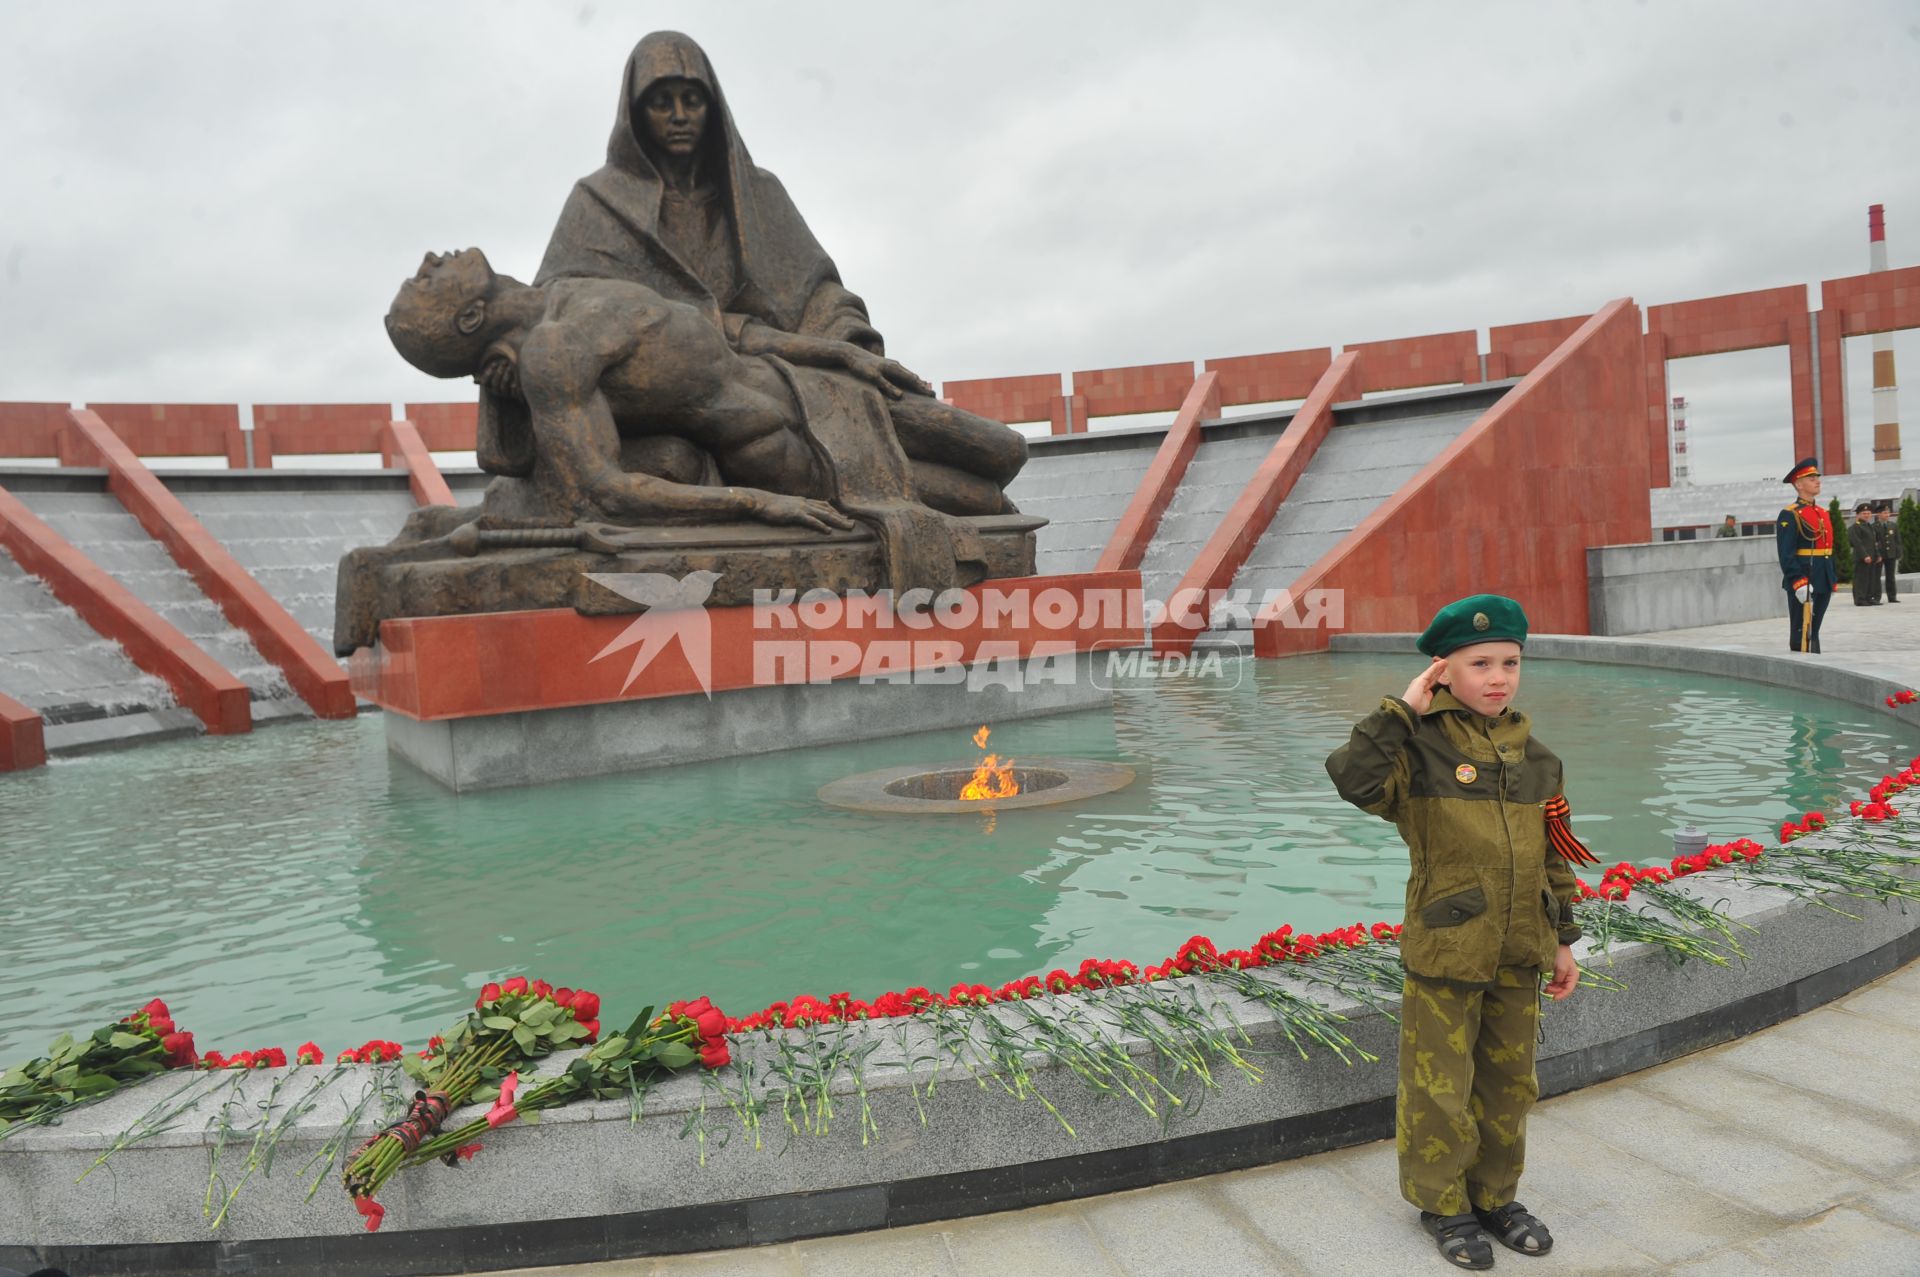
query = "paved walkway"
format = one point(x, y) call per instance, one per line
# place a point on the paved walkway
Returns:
point(1883, 640)
point(1794, 1151)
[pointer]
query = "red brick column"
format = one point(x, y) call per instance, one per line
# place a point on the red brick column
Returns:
point(1832, 358)
point(1659, 442)
point(401, 445)
point(23, 741)
point(198, 681)
point(1800, 365)
point(1135, 530)
point(1243, 525)
point(311, 671)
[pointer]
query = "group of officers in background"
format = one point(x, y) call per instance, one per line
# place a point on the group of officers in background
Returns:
point(1874, 540)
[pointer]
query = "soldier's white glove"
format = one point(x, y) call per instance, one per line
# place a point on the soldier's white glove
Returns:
point(1802, 590)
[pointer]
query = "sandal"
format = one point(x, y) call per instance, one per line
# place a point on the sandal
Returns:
point(1517, 1228)
point(1463, 1242)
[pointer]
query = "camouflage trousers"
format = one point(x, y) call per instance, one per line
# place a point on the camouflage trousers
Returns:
point(1466, 1086)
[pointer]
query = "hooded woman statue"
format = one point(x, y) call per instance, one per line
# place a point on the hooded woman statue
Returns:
point(681, 208)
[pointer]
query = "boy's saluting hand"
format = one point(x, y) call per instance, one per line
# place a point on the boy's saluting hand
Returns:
point(1419, 697)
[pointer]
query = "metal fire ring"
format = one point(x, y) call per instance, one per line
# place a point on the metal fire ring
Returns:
point(1043, 782)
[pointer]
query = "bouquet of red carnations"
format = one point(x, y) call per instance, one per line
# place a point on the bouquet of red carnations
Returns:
point(74, 1071)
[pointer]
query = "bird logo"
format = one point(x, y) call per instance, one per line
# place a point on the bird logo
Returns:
point(676, 609)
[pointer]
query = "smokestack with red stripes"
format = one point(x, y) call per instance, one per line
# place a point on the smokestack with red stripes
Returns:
point(1886, 391)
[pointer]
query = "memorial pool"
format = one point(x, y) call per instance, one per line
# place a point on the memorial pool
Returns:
point(298, 884)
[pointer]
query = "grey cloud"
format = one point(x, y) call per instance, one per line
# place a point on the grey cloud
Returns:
point(216, 201)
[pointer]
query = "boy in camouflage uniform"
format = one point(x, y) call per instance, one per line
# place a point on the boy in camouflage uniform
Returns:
point(1489, 909)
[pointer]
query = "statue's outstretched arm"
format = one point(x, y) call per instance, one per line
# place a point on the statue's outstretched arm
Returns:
point(888, 376)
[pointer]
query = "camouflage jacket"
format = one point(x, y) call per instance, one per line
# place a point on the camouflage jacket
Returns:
point(1467, 793)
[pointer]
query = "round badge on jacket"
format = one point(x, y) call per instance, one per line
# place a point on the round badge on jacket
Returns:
point(1465, 773)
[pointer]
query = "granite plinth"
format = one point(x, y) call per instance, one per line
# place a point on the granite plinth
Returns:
point(532, 747)
point(516, 698)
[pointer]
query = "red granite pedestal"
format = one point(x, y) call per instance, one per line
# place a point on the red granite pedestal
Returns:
point(518, 698)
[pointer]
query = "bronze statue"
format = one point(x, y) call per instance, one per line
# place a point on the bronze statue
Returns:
point(687, 360)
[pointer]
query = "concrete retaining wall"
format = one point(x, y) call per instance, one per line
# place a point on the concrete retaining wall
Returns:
point(590, 1183)
point(1676, 585)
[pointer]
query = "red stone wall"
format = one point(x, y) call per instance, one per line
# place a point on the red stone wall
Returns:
point(446, 427)
point(23, 741)
point(1111, 392)
point(280, 429)
point(1405, 363)
point(1008, 399)
point(1286, 374)
point(175, 430)
point(1514, 350)
point(1510, 507)
point(31, 429)
point(1874, 303)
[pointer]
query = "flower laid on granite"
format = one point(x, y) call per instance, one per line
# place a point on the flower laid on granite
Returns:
point(266, 1057)
point(1197, 954)
point(309, 1053)
point(1905, 696)
point(373, 1052)
point(512, 1023)
point(1811, 822)
point(74, 1071)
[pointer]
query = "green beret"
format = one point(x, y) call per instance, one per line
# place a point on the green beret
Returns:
point(1479, 618)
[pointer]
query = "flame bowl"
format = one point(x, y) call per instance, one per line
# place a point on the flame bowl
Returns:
point(923, 789)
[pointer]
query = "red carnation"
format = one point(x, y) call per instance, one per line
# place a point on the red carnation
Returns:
point(309, 1054)
point(179, 1049)
point(213, 1060)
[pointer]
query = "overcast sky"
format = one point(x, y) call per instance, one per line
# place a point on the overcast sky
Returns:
point(215, 202)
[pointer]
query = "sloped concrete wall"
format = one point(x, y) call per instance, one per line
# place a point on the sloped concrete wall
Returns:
point(1083, 484)
point(290, 538)
point(97, 523)
point(54, 662)
point(1675, 585)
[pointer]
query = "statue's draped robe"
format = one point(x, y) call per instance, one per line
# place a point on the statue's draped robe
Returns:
point(735, 246)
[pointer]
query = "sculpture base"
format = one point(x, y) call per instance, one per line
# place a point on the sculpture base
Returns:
point(420, 574)
point(536, 747)
point(521, 698)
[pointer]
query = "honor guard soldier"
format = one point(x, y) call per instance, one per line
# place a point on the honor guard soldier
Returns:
point(1805, 539)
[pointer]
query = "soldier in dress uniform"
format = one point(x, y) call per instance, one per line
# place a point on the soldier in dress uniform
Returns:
point(1805, 539)
point(1889, 531)
point(1863, 542)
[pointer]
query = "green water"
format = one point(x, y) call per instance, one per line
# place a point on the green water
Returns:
point(298, 884)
